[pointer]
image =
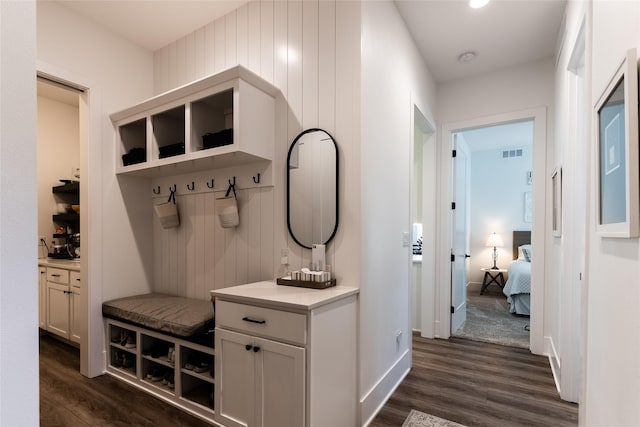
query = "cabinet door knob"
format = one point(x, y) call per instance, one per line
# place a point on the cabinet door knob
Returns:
point(248, 319)
point(248, 347)
point(256, 349)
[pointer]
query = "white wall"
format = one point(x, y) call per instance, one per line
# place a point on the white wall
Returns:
point(18, 204)
point(612, 373)
point(497, 193)
point(394, 77)
point(118, 74)
point(58, 153)
point(310, 51)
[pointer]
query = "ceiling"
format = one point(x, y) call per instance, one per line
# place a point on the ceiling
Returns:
point(152, 24)
point(503, 33)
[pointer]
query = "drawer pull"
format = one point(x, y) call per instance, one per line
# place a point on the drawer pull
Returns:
point(248, 319)
point(55, 275)
point(256, 349)
point(247, 347)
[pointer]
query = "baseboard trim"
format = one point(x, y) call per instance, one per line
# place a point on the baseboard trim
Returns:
point(554, 361)
point(380, 393)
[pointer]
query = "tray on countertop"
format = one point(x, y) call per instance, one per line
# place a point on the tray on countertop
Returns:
point(306, 283)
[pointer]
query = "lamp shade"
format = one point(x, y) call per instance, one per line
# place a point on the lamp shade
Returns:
point(495, 241)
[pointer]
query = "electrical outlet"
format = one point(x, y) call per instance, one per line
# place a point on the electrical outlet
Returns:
point(406, 240)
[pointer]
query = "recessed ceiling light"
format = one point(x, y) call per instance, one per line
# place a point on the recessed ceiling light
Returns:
point(477, 4)
point(467, 57)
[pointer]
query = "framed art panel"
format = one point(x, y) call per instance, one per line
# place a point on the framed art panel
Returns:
point(556, 203)
point(617, 153)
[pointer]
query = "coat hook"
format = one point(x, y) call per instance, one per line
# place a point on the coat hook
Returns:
point(192, 186)
point(257, 180)
point(156, 192)
point(173, 190)
point(234, 181)
point(210, 186)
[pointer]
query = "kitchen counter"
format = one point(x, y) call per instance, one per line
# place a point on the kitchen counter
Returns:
point(67, 264)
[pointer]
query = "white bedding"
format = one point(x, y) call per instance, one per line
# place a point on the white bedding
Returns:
point(518, 287)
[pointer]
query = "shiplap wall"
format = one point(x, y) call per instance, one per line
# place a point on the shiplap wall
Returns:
point(310, 50)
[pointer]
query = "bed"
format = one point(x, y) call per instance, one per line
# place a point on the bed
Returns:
point(518, 286)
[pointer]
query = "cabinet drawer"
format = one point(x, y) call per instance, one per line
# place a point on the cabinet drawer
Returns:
point(74, 279)
point(58, 275)
point(266, 322)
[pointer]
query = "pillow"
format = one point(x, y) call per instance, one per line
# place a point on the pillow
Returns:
point(524, 253)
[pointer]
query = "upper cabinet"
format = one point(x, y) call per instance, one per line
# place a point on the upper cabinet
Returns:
point(219, 121)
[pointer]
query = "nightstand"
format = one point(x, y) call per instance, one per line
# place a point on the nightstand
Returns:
point(492, 275)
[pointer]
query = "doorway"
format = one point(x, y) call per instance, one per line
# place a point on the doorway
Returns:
point(492, 175)
point(445, 245)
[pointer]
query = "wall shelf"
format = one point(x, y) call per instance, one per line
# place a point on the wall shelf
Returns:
point(224, 120)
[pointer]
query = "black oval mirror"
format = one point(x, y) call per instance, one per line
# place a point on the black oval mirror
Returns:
point(312, 188)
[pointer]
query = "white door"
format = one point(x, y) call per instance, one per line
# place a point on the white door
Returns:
point(58, 309)
point(280, 373)
point(75, 313)
point(235, 380)
point(461, 170)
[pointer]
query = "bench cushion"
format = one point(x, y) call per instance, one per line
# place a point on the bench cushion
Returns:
point(179, 316)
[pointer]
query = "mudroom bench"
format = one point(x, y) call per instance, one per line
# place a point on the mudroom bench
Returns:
point(164, 345)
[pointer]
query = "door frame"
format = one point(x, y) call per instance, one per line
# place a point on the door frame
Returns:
point(92, 354)
point(538, 238)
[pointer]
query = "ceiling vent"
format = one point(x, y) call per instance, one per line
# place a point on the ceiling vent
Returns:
point(516, 152)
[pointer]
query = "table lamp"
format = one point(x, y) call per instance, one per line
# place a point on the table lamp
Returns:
point(495, 240)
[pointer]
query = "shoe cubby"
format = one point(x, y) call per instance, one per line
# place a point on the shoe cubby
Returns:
point(158, 365)
point(169, 132)
point(198, 391)
point(197, 364)
point(122, 349)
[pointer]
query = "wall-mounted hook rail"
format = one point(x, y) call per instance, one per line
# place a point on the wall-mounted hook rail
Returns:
point(210, 186)
point(257, 180)
point(192, 186)
point(156, 192)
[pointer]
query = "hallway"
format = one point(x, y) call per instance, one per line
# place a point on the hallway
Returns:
point(478, 384)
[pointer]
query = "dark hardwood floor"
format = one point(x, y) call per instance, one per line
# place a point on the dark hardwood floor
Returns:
point(69, 399)
point(472, 383)
point(478, 384)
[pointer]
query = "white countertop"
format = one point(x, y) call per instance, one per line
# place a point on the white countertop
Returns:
point(270, 294)
point(67, 264)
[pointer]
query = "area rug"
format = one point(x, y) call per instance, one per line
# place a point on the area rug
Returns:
point(420, 419)
point(489, 320)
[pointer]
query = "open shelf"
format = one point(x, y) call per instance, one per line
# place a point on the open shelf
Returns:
point(133, 142)
point(233, 110)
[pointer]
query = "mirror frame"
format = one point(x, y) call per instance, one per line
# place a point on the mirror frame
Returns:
point(293, 144)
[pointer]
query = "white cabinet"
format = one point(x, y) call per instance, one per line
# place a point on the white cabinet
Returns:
point(75, 311)
point(42, 298)
point(285, 356)
point(260, 381)
point(219, 121)
point(62, 299)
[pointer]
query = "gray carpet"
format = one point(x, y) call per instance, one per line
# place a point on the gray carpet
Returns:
point(489, 320)
point(420, 419)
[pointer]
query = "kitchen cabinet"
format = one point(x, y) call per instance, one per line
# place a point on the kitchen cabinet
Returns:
point(223, 120)
point(60, 302)
point(42, 298)
point(285, 356)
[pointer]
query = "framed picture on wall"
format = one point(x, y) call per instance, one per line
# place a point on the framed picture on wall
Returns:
point(617, 152)
point(556, 202)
